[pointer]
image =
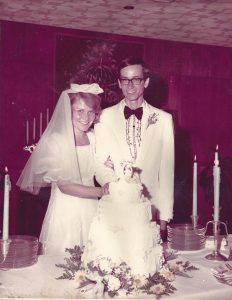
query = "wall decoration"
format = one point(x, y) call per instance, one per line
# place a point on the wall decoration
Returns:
point(83, 60)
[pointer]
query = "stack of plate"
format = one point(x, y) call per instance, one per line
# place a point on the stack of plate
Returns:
point(18, 251)
point(185, 237)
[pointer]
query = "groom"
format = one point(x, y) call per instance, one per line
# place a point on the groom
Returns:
point(133, 130)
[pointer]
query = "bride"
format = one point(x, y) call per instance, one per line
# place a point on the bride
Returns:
point(64, 158)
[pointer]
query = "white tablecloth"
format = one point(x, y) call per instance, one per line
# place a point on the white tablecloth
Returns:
point(39, 281)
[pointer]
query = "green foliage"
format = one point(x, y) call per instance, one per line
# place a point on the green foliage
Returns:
point(115, 278)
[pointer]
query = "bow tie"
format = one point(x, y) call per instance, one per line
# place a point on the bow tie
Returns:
point(138, 112)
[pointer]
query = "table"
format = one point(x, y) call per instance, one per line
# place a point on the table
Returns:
point(39, 281)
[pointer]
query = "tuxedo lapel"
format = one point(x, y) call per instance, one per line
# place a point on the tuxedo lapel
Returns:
point(148, 132)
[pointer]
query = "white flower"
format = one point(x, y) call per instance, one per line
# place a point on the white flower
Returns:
point(157, 289)
point(180, 268)
point(94, 276)
point(140, 281)
point(173, 266)
point(122, 293)
point(105, 265)
point(113, 283)
point(176, 267)
point(128, 276)
point(152, 119)
point(79, 277)
point(167, 274)
point(117, 271)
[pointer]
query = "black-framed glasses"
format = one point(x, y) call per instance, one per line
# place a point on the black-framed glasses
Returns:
point(135, 81)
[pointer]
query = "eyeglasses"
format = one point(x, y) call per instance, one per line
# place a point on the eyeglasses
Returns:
point(135, 81)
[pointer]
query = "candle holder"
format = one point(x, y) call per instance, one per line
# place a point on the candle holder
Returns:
point(194, 221)
point(4, 250)
point(216, 255)
point(30, 148)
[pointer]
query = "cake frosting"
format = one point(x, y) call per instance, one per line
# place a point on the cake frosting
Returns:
point(122, 229)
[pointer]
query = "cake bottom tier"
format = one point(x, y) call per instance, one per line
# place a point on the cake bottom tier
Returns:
point(138, 246)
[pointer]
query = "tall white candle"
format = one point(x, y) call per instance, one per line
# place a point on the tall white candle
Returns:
point(47, 116)
point(216, 185)
point(194, 208)
point(27, 132)
point(40, 124)
point(5, 227)
point(34, 128)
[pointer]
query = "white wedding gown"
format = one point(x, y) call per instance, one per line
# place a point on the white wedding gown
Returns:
point(68, 218)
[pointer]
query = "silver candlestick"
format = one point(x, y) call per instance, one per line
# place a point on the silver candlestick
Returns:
point(216, 255)
point(194, 221)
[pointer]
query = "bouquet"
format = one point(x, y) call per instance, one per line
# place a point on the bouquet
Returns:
point(105, 277)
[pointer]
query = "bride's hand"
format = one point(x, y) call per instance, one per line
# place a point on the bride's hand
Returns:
point(109, 163)
point(105, 189)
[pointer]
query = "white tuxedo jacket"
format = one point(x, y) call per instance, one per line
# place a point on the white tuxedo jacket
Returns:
point(155, 155)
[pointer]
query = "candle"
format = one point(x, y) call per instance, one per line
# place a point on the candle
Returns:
point(194, 208)
point(216, 185)
point(5, 227)
point(216, 156)
point(34, 125)
point(47, 116)
point(40, 124)
point(27, 132)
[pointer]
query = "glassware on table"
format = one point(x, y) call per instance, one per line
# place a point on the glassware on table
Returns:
point(186, 237)
point(18, 251)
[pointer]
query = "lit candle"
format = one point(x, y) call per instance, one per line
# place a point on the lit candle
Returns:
point(5, 227)
point(216, 185)
point(27, 132)
point(194, 212)
point(47, 116)
point(34, 125)
point(40, 124)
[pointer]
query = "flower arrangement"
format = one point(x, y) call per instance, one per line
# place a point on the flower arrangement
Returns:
point(152, 119)
point(105, 277)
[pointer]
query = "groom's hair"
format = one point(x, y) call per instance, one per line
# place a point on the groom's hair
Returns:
point(133, 60)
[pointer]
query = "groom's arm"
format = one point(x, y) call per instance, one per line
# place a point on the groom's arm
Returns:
point(166, 173)
point(103, 138)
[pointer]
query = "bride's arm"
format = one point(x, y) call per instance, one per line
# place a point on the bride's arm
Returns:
point(82, 191)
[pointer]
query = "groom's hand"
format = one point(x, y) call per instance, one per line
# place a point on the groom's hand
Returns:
point(109, 163)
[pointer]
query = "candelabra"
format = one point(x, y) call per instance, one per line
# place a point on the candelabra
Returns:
point(30, 148)
point(216, 255)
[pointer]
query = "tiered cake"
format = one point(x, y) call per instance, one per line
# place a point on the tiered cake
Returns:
point(122, 229)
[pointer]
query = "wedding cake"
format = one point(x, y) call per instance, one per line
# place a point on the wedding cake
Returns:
point(122, 229)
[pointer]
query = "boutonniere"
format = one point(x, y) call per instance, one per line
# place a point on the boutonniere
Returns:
point(152, 119)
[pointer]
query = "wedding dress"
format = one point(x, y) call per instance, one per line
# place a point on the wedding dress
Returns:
point(68, 218)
